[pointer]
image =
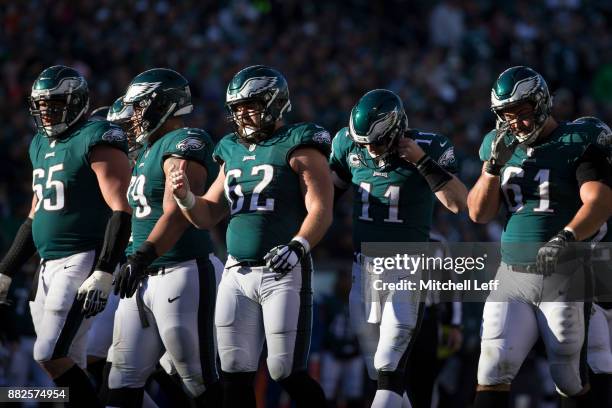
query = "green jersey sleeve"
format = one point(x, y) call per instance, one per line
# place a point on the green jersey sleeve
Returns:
point(102, 132)
point(485, 148)
point(192, 144)
point(339, 153)
point(310, 135)
point(443, 152)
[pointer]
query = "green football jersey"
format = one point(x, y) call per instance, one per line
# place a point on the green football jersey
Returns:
point(146, 191)
point(266, 203)
point(71, 213)
point(539, 188)
point(393, 203)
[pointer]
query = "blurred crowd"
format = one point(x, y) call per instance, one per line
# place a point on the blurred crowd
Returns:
point(440, 56)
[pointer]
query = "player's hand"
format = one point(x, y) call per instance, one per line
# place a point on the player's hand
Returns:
point(129, 276)
point(409, 150)
point(555, 249)
point(94, 292)
point(283, 258)
point(5, 284)
point(500, 153)
point(179, 180)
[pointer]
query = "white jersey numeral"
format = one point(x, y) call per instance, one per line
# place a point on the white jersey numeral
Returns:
point(514, 195)
point(56, 185)
point(267, 178)
point(236, 197)
point(392, 193)
point(136, 191)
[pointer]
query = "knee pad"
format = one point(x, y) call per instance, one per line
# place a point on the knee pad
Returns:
point(43, 350)
point(391, 349)
point(391, 381)
point(496, 364)
point(279, 367)
point(567, 327)
point(121, 378)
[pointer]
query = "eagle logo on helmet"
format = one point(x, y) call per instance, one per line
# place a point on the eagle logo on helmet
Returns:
point(377, 128)
point(190, 143)
point(253, 86)
point(136, 91)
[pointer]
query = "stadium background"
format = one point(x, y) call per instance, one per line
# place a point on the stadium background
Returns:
point(440, 56)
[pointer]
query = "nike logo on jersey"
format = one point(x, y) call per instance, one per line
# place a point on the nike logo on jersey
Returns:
point(68, 266)
point(173, 299)
point(52, 154)
point(245, 158)
point(141, 165)
point(443, 144)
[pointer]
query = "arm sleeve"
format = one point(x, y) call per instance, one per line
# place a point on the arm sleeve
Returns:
point(442, 151)
point(196, 145)
point(311, 135)
point(105, 133)
point(594, 165)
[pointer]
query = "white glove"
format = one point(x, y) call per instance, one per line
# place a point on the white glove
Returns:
point(95, 292)
point(283, 258)
point(5, 284)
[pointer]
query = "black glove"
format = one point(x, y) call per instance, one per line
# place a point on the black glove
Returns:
point(555, 249)
point(134, 270)
point(283, 258)
point(500, 153)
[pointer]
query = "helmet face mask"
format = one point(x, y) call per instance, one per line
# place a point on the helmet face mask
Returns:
point(377, 122)
point(121, 114)
point(59, 99)
point(516, 87)
point(256, 99)
point(154, 96)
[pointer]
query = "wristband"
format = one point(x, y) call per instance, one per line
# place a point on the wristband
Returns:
point(492, 169)
point(433, 173)
point(304, 242)
point(145, 254)
point(186, 203)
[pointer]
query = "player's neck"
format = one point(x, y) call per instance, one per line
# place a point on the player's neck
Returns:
point(168, 126)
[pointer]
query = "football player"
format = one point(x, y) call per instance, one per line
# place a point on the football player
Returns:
point(100, 335)
point(553, 179)
point(395, 173)
point(167, 286)
point(599, 353)
point(276, 187)
point(79, 224)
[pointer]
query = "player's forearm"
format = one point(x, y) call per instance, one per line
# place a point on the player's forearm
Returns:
point(588, 219)
point(167, 231)
point(453, 195)
point(20, 251)
point(483, 199)
point(204, 214)
point(315, 224)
